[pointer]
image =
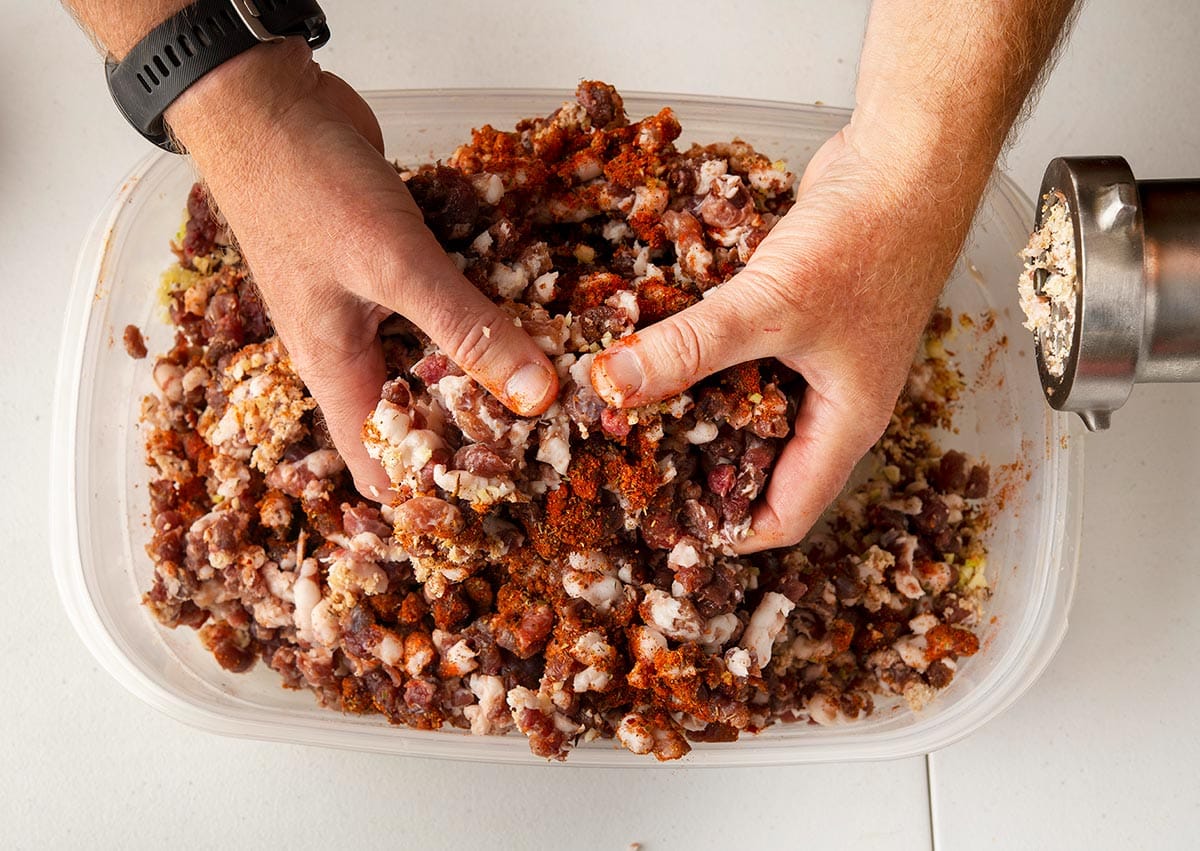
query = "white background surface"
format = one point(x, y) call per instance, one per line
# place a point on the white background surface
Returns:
point(1103, 752)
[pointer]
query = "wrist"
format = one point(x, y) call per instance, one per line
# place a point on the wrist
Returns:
point(925, 146)
point(244, 97)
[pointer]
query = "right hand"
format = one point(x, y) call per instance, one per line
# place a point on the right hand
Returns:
point(839, 291)
point(294, 158)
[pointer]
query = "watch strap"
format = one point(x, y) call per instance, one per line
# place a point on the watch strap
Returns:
point(194, 41)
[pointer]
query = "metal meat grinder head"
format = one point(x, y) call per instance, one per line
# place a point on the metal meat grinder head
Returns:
point(1137, 299)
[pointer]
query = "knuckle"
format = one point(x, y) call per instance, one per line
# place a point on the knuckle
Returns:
point(765, 277)
point(787, 293)
point(321, 357)
point(683, 344)
point(473, 341)
point(381, 254)
point(380, 276)
point(760, 312)
point(788, 272)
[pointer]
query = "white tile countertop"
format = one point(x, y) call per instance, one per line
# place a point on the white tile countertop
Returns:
point(1101, 753)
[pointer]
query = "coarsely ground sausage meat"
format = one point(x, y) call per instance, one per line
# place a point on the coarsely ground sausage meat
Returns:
point(568, 576)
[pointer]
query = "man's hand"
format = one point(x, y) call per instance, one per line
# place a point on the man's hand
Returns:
point(294, 160)
point(842, 287)
point(839, 292)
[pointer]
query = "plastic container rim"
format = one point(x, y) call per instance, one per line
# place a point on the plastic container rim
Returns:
point(1060, 552)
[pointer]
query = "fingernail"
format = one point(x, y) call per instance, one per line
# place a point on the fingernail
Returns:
point(617, 376)
point(528, 386)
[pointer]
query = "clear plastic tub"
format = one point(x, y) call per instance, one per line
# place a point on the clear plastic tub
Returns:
point(98, 495)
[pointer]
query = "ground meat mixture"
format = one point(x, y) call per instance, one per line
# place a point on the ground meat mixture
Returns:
point(135, 345)
point(570, 576)
point(1048, 287)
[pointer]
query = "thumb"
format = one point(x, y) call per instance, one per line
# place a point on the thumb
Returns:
point(472, 330)
point(723, 329)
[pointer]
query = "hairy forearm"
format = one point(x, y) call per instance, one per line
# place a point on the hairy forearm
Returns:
point(943, 81)
point(117, 25)
point(247, 91)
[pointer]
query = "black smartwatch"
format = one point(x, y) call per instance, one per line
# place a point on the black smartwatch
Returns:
point(192, 42)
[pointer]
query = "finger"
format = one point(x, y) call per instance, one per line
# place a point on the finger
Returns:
point(829, 440)
point(724, 329)
point(473, 331)
point(347, 391)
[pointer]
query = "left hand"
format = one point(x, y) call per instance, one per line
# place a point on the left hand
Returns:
point(294, 159)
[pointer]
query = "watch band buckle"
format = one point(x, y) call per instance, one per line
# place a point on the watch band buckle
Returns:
point(251, 17)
